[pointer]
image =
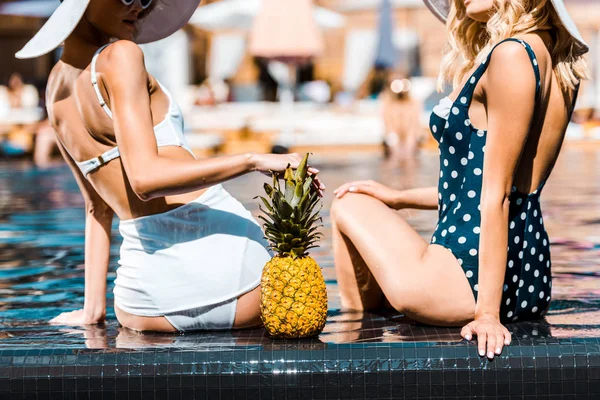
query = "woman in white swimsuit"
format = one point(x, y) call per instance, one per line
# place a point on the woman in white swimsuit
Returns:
point(191, 256)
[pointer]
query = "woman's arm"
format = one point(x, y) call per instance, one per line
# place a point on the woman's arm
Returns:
point(510, 98)
point(150, 175)
point(98, 222)
point(420, 198)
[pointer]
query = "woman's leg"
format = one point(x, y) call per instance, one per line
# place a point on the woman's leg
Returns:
point(247, 315)
point(138, 323)
point(423, 281)
point(358, 288)
point(247, 312)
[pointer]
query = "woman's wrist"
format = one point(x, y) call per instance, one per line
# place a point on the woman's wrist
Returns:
point(399, 199)
point(486, 313)
point(95, 313)
point(250, 162)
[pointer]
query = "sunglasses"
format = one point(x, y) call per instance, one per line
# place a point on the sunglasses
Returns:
point(144, 3)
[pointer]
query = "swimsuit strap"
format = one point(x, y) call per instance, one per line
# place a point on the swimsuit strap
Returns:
point(466, 94)
point(89, 166)
point(95, 82)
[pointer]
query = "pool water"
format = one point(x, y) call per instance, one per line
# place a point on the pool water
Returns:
point(42, 252)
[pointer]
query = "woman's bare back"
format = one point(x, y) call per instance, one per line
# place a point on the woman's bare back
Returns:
point(549, 124)
point(85, 131)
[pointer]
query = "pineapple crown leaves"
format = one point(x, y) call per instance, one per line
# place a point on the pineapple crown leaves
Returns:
point(290, 219)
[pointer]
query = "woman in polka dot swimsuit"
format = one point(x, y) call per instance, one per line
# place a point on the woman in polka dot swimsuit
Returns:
point(527, 280)
point(488, 261)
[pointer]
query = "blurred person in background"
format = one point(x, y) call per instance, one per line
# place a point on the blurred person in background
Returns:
point(378, 81)
point(18, 103)
point(17, 94)
point(402, 120)
point(21, 99)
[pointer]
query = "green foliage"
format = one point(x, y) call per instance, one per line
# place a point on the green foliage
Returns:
point(291, 218)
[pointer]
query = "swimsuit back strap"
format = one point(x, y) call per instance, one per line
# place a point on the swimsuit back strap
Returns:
point(91, 165)
point(469, 88)
point(95, 83)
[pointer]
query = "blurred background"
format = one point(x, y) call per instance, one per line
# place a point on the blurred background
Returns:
point(259, 75)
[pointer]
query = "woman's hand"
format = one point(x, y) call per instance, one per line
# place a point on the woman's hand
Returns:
point(491, 335)
point(269, 163)
point(374, 189)
point(78, 317)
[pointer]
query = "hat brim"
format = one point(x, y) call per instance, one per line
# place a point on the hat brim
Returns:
point(167, 17)
point(56, 30)
point(441, 9)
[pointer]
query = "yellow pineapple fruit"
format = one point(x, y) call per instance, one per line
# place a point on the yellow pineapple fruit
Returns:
point(293, 300)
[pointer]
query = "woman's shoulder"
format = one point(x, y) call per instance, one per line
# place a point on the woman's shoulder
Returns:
point(519, 54)
point(120, 67)
point(511, 70)
point(120, 56)
point(123, 50)
point(536, 44)
point(515, 49)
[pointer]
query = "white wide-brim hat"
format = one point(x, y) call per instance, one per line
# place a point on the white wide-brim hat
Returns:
point(167, 17)
point(441, 9)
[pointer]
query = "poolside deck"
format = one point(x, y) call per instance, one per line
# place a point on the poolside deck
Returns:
point(357, 356)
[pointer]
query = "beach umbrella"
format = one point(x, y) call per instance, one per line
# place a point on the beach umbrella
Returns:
point(361, 5)
point(240, 14)
point(386, 54)
point(285, 31)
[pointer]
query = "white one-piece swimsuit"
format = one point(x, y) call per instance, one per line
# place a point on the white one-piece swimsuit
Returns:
point(189, 264)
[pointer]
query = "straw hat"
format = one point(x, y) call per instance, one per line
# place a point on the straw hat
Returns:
point(441, 9)
point(166, 18)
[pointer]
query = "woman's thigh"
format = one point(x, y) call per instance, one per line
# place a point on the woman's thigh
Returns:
point(423, 281)
point(139, 323)
point(247, 315)
point(247, 312)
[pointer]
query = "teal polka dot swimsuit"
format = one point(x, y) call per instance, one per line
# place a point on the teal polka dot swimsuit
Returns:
point(527, 280)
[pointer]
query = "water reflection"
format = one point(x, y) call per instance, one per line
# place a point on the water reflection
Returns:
point(41, 258)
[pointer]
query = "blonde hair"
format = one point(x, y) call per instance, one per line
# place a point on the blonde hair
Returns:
point(470, 41)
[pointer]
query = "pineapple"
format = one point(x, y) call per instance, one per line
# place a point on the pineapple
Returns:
point(293, 300)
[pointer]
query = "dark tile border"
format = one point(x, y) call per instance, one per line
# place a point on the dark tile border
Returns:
point(562, 368)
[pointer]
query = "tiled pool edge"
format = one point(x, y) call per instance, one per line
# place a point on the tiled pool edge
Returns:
point(569, 368)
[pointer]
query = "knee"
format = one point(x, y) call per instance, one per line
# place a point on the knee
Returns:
point(345, 206)
point(339, 208)
point(335, 208)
